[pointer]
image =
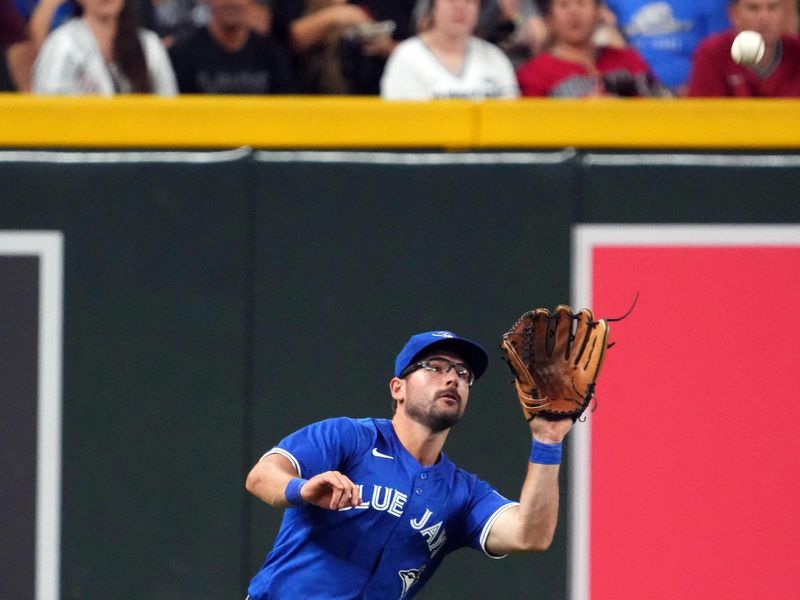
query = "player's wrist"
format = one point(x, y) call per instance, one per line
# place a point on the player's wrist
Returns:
point(545, 454)
point(292, 492)
point(549, 431)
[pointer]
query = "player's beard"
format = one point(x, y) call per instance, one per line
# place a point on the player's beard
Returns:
point(434, 413)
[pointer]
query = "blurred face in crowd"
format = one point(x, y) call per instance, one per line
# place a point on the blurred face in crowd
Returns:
point(228, 14)
point(455, 18)
point(767, 17)
point(573, 21)
point(102, 10)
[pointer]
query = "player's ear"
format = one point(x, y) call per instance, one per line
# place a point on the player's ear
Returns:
point(397, 387)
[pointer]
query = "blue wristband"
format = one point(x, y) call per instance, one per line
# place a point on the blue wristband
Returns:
point(545, 454)
point(292, 492)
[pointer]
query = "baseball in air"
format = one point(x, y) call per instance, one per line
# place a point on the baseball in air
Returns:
point(747, 48)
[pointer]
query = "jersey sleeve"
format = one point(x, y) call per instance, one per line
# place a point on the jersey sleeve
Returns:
point(324, 446)
point(485, 505)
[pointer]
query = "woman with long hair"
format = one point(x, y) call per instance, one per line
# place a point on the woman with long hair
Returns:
point(103, 51)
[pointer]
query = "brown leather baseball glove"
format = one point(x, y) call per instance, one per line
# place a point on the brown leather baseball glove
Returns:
point(555, 358)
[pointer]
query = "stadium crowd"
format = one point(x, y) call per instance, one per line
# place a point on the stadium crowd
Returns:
point(398, 49)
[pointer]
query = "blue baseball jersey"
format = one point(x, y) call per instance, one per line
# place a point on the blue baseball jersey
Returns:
point(666, 32)
point(409, 519)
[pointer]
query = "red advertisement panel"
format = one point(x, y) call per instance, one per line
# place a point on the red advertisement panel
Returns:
point(695, 444)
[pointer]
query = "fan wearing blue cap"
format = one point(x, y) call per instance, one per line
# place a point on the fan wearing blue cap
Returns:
point(373, 506)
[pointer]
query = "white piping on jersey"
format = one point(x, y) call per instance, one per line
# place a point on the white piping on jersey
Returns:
point(289, 456)
point(488, 527)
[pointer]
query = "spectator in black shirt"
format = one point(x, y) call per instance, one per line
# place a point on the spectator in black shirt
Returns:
point(341, 46)
point(228, 57)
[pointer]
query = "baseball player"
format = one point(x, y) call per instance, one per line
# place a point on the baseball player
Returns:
point(373, 505)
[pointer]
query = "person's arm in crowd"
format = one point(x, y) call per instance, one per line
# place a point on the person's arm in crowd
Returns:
point(306, 31)
point(538, 34)
point(509, 16)
point(608, 32)
point(20, 58)
point(259, 17)
point(41, 19)
point(382, 45)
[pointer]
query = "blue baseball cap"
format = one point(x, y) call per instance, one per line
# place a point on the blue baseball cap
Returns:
point(424, 343)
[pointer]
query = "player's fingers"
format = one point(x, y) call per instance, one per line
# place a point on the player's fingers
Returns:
point(343, 492)
point(340, 490)
point(351, 495)
point(346, 497)
point(319, 485)
point(336, 496)
point(356, 498)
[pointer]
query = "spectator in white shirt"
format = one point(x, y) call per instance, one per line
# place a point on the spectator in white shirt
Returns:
point(447, 61)
point(103, 52)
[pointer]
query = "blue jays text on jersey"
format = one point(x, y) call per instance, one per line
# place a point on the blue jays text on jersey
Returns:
point(409, 519)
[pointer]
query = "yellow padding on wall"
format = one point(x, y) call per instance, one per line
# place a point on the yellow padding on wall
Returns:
point(357, 122)
point(631, 123)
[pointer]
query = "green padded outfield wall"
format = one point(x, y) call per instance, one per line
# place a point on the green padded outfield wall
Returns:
point(690, 188)
point(154, 330)
point(216, 301)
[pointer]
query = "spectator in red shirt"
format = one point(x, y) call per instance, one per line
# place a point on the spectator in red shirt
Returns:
point(714, 73)
point(573, 66)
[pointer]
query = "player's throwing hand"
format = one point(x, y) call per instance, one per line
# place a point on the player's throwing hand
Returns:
point(331, 490)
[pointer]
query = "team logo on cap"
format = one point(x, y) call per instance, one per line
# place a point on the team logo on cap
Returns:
point(443, 334)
